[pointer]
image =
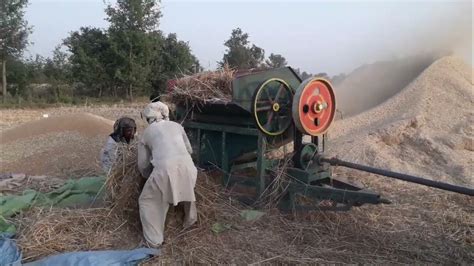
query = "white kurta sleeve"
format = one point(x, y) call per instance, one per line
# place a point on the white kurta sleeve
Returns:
point(144, 160)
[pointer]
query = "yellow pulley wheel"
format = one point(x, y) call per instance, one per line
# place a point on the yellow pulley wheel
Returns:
point(271, 106)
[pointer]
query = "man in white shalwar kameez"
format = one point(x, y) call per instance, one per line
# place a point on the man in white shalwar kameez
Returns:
point(164, 157)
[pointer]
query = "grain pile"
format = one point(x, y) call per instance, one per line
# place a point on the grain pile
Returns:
point(14, 117)
point(426, 129)
point(67, 145)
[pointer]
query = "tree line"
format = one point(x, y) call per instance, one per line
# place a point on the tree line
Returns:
point(130, 58)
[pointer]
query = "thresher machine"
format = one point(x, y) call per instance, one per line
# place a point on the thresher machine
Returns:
point(271, 109)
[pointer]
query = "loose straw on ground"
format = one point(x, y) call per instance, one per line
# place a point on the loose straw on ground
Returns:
point(44, 232)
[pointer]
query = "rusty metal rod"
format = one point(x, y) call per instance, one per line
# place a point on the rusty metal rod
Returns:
point(404, 177)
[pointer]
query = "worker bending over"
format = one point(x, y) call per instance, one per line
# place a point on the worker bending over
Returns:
point(156, 98)
point(164, 157)
point(124, 131)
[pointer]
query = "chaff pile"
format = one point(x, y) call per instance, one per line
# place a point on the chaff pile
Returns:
point(203, 87)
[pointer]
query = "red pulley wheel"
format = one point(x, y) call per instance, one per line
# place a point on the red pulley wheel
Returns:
point(314, 106)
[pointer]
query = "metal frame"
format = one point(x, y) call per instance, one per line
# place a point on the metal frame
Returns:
point(225, 166)
point(315, 183)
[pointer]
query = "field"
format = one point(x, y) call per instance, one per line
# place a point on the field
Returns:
point(406, 133)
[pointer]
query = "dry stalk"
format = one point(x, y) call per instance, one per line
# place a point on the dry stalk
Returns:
point(277, 188)
point(203, 87)
point(44, 232)
point(124, 182)
point(413, 230)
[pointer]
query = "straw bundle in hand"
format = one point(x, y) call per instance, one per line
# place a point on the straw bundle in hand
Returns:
point(124, 182)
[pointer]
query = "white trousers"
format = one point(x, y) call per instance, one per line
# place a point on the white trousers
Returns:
point(153, 210)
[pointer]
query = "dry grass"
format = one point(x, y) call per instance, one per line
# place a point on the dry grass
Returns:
point(422, 226)
point(412, 230)
point(124, 183)
point(203, 87)
point(44, 232)
point(278, 185)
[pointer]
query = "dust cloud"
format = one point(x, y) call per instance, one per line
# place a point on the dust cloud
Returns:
point(372, 84)
point(413, 50)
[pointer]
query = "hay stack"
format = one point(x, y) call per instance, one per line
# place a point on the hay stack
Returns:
point(203, 87)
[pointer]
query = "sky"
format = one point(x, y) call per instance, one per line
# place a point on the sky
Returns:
point(315, 36)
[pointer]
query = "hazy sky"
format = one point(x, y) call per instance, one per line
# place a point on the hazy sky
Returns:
point(315, 36)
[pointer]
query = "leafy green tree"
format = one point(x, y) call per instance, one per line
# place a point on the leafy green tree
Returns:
point(21, 73)
point(57, 68)
point(240, 53)
point(174, 59)
point(36, 69)
point(57, 71)
point(132, 56)
point(130, 21)
point(18, 76)
point(276, 61)
point(14, 32)
point(92, 59)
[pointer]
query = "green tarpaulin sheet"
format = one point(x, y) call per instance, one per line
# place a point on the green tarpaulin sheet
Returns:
point(75, 193)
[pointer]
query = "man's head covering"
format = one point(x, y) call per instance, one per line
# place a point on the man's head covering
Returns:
point(120, 125)
point(155, 97)
point(155, 112)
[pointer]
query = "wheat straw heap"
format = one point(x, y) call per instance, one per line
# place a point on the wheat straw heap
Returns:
point(203, 87)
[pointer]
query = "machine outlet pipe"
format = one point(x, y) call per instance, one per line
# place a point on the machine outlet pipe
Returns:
point(404, 177)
